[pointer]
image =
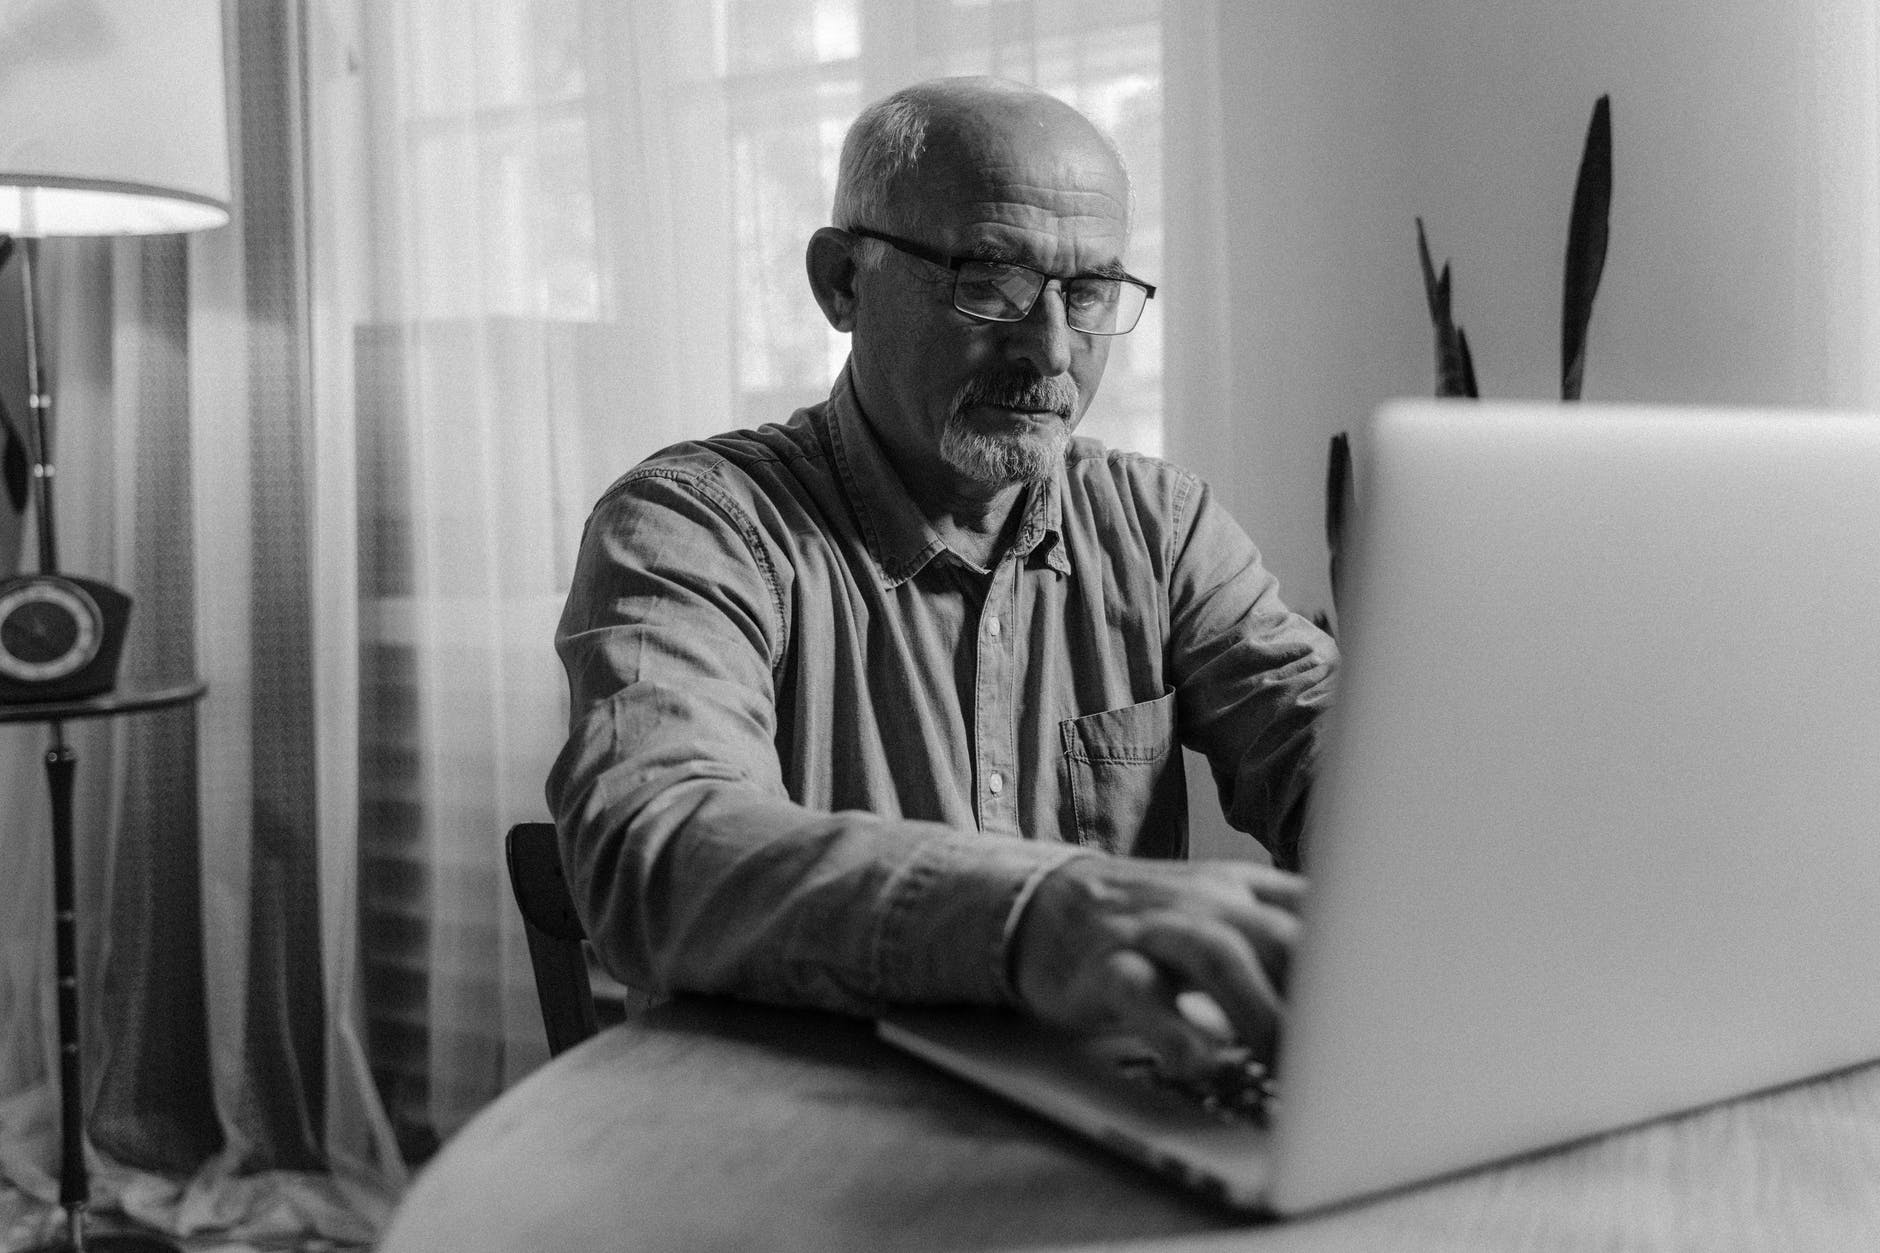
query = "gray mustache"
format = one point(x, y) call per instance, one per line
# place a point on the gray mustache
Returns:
point(1056, 394)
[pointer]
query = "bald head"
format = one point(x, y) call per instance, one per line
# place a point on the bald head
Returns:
point(968, 403)
point(935, 137)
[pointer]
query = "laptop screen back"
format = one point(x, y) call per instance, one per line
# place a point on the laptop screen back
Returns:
point(1597, 837)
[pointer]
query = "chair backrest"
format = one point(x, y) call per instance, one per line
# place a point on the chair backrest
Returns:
point(554, 934)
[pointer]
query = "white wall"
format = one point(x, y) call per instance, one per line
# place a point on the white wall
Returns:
point(1745, 253)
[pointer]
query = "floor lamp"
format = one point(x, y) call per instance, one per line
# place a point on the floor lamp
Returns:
point(112, 122)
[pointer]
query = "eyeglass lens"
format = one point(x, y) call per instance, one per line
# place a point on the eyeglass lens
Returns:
point(1006, 293)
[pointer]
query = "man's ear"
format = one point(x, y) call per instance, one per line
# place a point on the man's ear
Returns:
point(832, 274)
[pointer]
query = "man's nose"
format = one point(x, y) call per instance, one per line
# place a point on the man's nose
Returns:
point(1043, 336)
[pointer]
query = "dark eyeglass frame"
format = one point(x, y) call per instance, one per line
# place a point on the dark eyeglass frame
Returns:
point(933, 256)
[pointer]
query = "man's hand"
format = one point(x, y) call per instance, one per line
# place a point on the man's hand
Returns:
point(1115, 944)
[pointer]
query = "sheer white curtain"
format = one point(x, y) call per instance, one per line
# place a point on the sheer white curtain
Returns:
point(551, 236)
point(227, 1095)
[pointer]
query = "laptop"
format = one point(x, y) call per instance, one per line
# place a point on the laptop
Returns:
point(1596, 836)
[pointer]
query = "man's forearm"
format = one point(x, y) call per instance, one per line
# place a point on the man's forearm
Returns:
point(710, 884)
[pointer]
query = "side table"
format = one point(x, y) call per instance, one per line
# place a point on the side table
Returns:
point(61, 764)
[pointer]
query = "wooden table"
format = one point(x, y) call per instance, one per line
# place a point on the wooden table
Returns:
point(708, 1124)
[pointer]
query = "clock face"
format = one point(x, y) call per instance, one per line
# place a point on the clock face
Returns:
point(49, 628)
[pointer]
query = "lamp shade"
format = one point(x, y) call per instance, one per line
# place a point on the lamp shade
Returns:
point(113, 117)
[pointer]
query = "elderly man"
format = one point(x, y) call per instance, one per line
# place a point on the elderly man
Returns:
point(885, 704)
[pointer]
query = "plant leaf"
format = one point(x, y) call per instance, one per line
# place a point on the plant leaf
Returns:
point(1587, 233)
point(14, 470)
point(1436, 290)
point(1337, 504)
point(1455, 373)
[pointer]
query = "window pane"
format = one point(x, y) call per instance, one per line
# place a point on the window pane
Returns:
point(772, 34)
point(508, 226)
point(780, 202)
point(478, 54)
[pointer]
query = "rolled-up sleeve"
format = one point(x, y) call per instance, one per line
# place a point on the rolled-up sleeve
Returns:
point(693, 867)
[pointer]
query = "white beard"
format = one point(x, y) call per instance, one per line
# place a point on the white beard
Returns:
point(1030, 456)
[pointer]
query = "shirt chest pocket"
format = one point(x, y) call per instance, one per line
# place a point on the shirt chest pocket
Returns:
point(1123, 780)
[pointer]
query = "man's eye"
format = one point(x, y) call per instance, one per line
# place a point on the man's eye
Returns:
point(996, 286)
point(1091, 294)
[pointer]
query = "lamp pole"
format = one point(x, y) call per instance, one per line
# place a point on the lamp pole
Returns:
point(61, 764)
point(38, 397)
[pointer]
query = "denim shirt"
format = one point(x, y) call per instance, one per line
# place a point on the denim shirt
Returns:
point(815, 757)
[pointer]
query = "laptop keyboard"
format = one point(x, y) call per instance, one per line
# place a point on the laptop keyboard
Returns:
point(1239, 1090)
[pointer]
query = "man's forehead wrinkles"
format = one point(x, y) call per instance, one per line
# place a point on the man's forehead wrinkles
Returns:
point(1107, 260)
point(1008, 217)
point(1092, 215)
point(1049, 198)
point(994, 231)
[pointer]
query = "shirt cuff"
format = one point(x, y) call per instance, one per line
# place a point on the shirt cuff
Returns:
point(953, 915)
point(1013, 917)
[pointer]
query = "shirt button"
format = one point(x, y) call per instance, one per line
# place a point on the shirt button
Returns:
point(995, 783)
point(992, 627)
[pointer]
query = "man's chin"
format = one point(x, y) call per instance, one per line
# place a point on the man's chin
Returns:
point(1033, 452)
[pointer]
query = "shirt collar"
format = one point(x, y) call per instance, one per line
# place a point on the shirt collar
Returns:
point(1042, 531)
point(898, 537)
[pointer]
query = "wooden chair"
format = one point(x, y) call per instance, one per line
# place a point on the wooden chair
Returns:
point(555, 935)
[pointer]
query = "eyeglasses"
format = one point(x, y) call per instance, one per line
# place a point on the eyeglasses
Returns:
point(1005, 291)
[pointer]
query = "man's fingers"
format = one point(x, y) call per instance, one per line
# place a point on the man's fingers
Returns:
point(1273, 886)
point(1221, 962)
point(1271, 930)
point(1274, 934)
point(1205, 1013)
point(1109, 944)
point(1147, 1004)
